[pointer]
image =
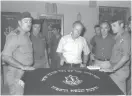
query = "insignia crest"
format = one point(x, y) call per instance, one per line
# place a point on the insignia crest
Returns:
point(72, 80)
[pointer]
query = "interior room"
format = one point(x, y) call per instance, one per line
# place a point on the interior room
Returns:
point(62, 14)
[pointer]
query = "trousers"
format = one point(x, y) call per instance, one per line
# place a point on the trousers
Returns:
point(12, 78)
point(42, 63)
point(120, 76)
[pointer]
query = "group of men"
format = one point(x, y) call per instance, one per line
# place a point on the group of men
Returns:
point(110, 53)
point(25, 49)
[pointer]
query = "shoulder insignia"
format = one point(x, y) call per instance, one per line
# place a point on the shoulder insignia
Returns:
point(12, 33)
point(17, 31)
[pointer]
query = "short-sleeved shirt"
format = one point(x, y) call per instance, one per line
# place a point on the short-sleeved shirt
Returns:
point(72, 49)
point(103, 46)
point(19, 47)
point(121, 48)
point(39, 46)
point(92, 42)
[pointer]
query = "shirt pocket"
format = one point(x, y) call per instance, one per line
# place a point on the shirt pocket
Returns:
point(116, 54)
point(120, 50)
point(119, 53)
point(26, 48)
point(26, 45)
point(68, 46)
point(81, 46)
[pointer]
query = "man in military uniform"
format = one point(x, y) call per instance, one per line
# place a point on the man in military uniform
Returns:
point(18, 53)
point(55, 38)
point(39, 45)
point(120, 58)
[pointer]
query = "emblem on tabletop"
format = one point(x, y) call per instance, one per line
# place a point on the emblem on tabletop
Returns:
point(72, 80)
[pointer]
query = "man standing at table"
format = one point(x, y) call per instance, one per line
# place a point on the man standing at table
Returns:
point(18, 53)
point(103, 46)
point(92, 41)
point(120, 58)
point(39, 46)
point(55, 38)
point(71, 46)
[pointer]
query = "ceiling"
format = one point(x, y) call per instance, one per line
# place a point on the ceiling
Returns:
point(120, 3)
point(98, 2)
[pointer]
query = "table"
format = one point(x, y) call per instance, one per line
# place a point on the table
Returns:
point(68, 82)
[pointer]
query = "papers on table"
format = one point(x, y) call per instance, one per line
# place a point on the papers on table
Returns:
point(93, 67)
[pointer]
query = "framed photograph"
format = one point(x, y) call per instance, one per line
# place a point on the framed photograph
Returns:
point(106, 13)
point(50, 20)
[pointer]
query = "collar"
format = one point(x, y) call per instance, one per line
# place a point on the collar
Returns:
point(119, 35)
point(106, 36)
point(27, 33)
point(72, 38)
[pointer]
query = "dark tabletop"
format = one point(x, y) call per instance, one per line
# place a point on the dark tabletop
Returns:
point(69, 82)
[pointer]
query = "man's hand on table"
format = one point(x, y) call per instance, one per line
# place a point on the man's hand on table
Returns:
point(106, 70)
point(82, 65)
point(62, 62)
point(63, 59)
point(28, 68)
point(110, 69)
point(103, 64)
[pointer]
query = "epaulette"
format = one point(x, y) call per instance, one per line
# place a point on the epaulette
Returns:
point(12, 33)
point(17, 31)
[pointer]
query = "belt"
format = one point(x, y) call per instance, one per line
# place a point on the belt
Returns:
point(72, 64)
point(103, 59)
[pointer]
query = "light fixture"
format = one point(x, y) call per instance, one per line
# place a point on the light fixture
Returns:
point(79, 16)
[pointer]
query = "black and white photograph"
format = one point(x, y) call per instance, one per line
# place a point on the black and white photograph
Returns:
point(66, 47)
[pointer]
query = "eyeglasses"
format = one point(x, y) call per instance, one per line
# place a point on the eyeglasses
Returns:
point(27, 20)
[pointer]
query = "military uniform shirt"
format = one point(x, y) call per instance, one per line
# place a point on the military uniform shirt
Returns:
point(19, 47)
point(39, 46)
point(121, 48)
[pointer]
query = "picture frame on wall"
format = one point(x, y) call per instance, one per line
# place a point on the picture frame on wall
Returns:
point(9, 23)
point(106, 13)
point(48, 21)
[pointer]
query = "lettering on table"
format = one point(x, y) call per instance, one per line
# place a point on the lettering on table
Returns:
point(71, 80)
point(75, 90)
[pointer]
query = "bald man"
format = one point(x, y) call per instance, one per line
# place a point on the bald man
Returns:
point(71, 47)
